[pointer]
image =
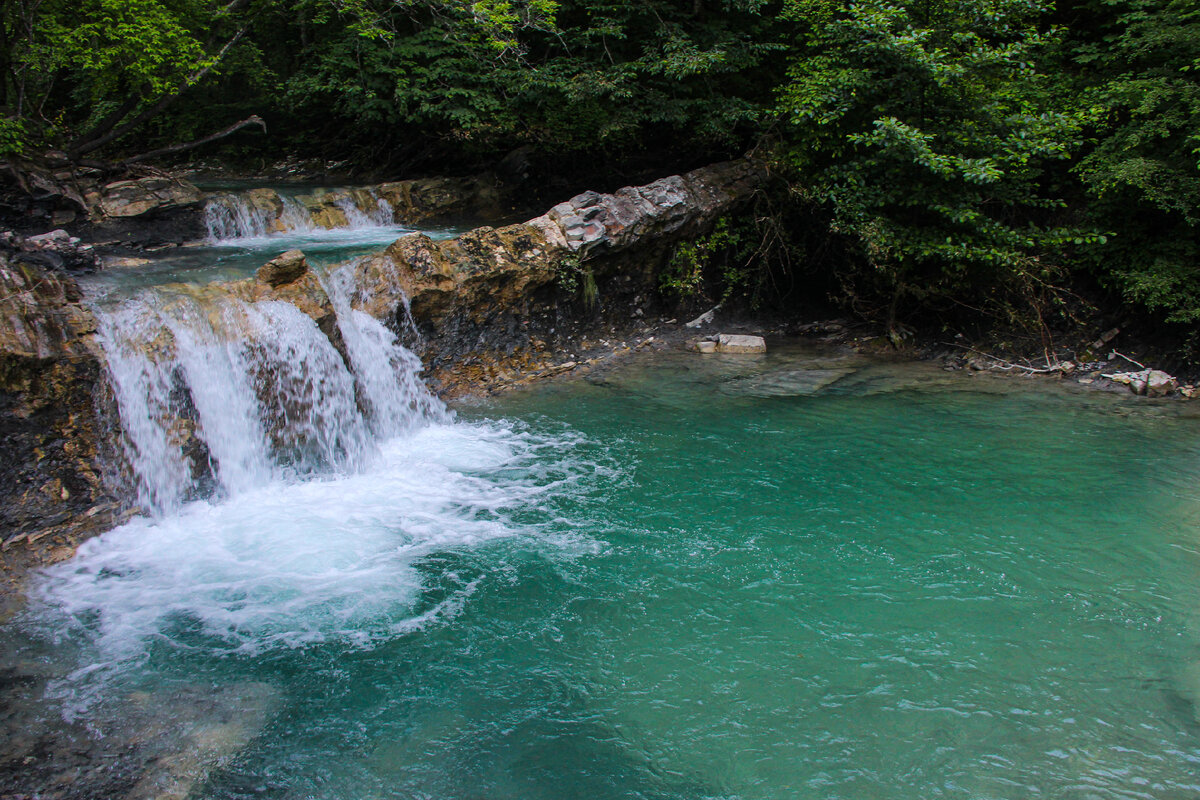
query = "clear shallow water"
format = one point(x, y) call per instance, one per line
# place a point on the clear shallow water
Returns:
point(799, 577)
point(241, 257)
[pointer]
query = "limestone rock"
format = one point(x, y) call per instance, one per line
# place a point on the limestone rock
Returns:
point(50, 428)
point(706, 347)
point(1159, 383)
point(137, 197)
point(56, 250)
point(1149, 382)
point(605, 222)
point(283, 269)
point(737, 343)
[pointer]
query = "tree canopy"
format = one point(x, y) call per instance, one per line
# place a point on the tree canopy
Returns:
point(974, 151)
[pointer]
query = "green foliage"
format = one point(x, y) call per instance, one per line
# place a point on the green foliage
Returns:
point(976, 151)
point(724, 258)
point(1138, 61)
point(114, 46)
point(12, 137)
point(573, 277)
point(929, 129)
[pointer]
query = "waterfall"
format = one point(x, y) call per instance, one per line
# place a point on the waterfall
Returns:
point(232, 217)
point(217, 395)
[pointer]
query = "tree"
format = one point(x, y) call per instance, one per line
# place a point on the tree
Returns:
point(1138, 63)
point(930, 132)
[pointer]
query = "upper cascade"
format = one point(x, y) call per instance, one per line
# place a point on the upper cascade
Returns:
point(261, 212)
point(230, 216)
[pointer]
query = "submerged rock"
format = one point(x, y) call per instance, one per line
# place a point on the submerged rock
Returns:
point(200, 736)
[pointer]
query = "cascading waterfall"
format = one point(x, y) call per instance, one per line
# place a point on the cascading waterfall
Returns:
point(291, 486)
point(231, 217)
point(219, 394)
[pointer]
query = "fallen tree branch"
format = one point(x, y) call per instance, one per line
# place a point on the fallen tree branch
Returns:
point(1008, 365)
point(179, 148)
point(1137, 364)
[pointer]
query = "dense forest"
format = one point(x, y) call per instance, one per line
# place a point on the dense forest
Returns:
point(1014, 160)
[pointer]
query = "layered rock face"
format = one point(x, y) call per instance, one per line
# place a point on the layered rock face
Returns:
point(150, 210)
point(51, 433)
point(488, 303)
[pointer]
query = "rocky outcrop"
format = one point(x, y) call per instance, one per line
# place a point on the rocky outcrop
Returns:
point(491, 303)
point(56, 250)
point(597, 223)
point(149, 210)
point(135, 198)
point(51, 432)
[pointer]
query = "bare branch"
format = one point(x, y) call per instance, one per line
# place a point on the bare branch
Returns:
point(179, 148)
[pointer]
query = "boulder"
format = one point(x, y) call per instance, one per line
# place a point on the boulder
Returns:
point(737, 343)
point(283, 269)
point(1159, 383)
point(137, 197)
point(1149, 382)
point(56, 250)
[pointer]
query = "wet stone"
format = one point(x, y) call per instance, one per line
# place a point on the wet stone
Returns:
point(283, 269)
point(738, 343)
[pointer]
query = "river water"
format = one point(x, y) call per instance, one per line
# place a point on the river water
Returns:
point(804, 575)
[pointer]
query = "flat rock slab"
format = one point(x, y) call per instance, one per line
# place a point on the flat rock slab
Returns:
point(788, 383)
point(736, 343)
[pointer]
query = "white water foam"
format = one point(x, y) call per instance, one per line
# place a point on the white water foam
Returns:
point(232, 220)
point(293, 486)
point(291, 564)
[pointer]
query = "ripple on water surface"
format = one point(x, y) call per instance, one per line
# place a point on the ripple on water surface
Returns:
point(726, 578)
